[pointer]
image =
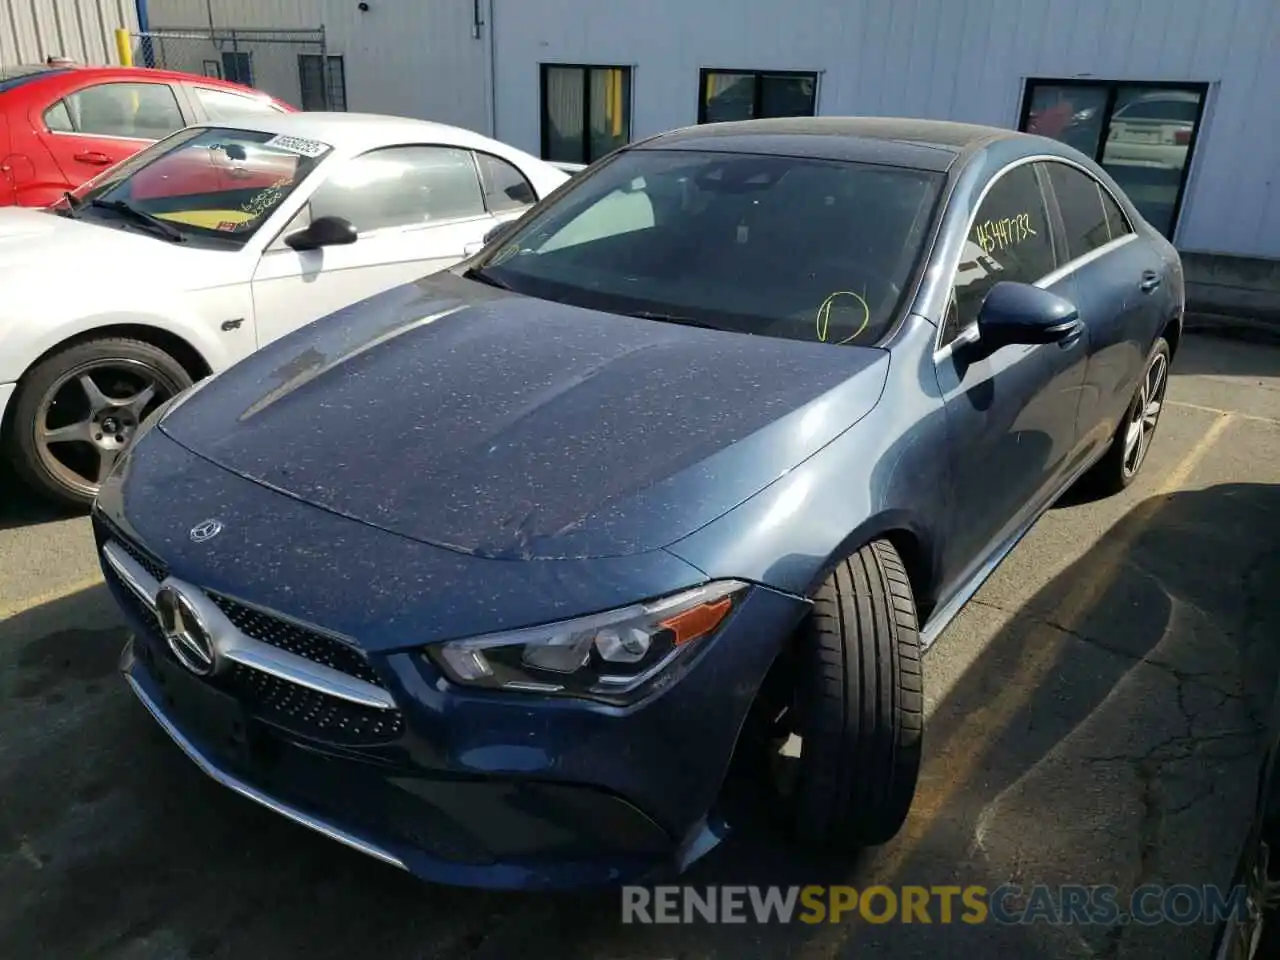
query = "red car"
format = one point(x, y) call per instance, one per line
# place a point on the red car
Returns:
point(61, 126)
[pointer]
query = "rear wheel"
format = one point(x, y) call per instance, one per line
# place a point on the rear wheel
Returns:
point(1119, 466)
point(851, 755)
point(77, 410)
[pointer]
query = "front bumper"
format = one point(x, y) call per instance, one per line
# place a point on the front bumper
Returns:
point(515, 792)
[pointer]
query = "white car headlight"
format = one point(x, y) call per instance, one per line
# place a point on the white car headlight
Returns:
point(616, 657)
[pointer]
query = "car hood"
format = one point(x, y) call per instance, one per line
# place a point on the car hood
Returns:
point(508, 427)
point(36, 238)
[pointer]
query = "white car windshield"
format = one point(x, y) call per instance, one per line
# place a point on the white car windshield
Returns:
point(213, 185)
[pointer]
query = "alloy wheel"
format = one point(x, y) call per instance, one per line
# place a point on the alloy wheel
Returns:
point(1145, 414)
point(87, 418)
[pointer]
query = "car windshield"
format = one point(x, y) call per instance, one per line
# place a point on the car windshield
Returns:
point(214, 185)
point(779, 246)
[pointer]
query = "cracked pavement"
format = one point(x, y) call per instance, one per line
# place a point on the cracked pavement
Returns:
point(1094, 717)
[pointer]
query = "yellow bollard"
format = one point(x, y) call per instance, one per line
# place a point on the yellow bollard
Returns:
point(124, 47)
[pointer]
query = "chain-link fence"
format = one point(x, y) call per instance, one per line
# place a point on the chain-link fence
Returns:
point(292, 65)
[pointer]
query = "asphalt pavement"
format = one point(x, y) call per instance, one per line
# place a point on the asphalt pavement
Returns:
point(1094, 718)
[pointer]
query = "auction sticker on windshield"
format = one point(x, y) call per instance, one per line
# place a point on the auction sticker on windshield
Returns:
point(307, 148)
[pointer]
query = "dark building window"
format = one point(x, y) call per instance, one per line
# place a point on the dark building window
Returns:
point(321, 90)
point(237, 67)
point(586, 111)
point(1142, 133)
point(750, 95)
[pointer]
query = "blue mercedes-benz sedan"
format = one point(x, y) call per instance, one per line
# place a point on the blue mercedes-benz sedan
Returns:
point(494, 576)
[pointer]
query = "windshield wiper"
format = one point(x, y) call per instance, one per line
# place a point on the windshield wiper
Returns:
point(475, 274)
point(671, 318)
point(142, 217)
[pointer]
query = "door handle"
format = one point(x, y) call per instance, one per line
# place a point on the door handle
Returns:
point(93, 157)
point(1150, 280)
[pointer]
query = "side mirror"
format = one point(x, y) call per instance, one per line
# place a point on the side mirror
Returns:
point(1019, 313)
point(493, 232)
point(323, 232)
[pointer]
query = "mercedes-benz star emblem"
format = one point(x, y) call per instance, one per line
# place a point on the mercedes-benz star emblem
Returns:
point(206, 530)
point(185, 634)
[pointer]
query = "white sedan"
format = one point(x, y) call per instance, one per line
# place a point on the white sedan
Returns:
point(212, 243)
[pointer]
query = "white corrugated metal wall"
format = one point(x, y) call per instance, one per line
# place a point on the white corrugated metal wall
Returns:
point(415, 58)
point(84, 30)
point(957, 59)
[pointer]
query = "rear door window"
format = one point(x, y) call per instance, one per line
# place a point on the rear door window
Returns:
point(1090, 217)
point(136, 111)
point(505, 187)
point(402, 187)
point(222, 106)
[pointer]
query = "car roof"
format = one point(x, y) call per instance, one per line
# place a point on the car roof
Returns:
point(22, 74)
point(898, 141)
point(357, 131)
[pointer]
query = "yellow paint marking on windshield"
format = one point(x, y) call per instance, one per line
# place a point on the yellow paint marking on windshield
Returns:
point(207, 219)
point(823, 320)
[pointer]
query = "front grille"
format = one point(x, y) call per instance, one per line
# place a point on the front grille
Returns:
point(134, 604)
point(297, 708)
point(287, 705)
point(149, 562)
point(315, 646)
point(310, 713)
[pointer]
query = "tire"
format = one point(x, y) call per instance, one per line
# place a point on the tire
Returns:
point(860, 704)
point(1114, 472)
point(53, 390)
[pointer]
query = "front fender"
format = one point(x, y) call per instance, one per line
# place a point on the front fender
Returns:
point(887, 474)
point(25, 339)
point(863, 485)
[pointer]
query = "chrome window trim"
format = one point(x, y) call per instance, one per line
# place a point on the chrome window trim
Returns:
point(1072, 266)
point(942, 352)
point(231, 645)
point(106, 136)
point(969, 334)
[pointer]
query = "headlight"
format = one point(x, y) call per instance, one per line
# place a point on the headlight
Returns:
point(615, 657)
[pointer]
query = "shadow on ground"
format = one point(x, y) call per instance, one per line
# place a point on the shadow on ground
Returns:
point(20, 508)
point(1205, 355)
point(1106, 734)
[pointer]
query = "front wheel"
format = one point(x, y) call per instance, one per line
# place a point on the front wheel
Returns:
point(77, 410)
point(859, 704)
